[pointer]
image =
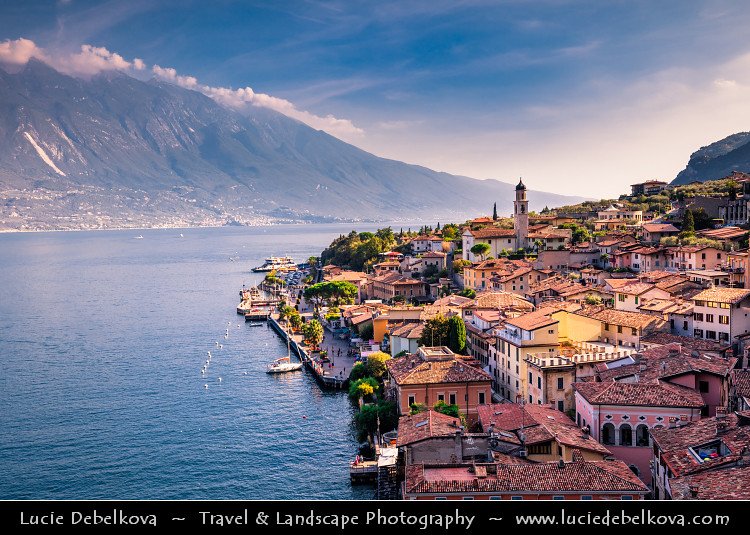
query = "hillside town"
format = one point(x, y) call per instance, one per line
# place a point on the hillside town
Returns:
point(596, 353)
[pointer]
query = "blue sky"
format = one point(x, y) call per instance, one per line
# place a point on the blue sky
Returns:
point(580, 97)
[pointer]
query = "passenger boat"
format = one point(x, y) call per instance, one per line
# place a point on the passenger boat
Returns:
point(277, 263)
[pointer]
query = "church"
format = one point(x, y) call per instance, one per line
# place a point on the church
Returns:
point(499, 238)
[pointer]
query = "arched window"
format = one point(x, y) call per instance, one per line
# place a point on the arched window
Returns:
point(626, 435)
point(641, 435)
point(608, 434)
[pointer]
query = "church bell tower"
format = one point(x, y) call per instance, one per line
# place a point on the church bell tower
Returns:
point(521, 216)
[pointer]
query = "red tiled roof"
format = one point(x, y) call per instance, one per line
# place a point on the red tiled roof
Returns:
point(533, 320)
point(651, 394)
point(574, 477)
point(416, 427)
point(488, 233)
point(695, 344)
point(412, 370)
point(741, 381)
point(660, 227)
point(620, 317)
point(674, 443)
point(722, 295)
point(729, 484)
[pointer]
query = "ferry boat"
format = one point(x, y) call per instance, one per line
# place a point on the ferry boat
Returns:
point(278, 263)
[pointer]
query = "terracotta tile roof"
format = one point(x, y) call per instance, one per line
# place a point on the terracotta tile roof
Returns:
point(412, 370)
point(499, 300)
point(656, 275)
point(488, 233)
point(663, 362)
point(348, 276)
point(741, 381)
point(725, 233)
point(729, 484)
point(574, 477)
point(452, 300)
point(651, 394)
point(630, 286)
point(361, 318)
point(659, 227)
point(620, 317)
point(668, 306)
point(722, 295)
point(547, 235)
point(410, 331)
point(416, 427)
point(674, 443)
point(434, 254)
point(490, 316)
point(540, 424)
point(533, 320)
point(609, 243)
point(695, 344)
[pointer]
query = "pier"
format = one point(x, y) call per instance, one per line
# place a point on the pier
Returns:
point(329, 377)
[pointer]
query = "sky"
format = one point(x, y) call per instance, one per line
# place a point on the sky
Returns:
point(577, 97)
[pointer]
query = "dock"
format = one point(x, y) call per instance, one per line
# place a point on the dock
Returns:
point(324, 376)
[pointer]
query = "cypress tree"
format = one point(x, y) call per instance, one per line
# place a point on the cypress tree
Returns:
point(494, 212)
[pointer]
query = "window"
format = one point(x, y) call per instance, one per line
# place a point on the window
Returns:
point(724, 320)
point(441, 397)
point(684, 325)
point(608, 434)
point(626, 497)
point(496, 497)
point(531, 379)
point(698, 316)
point(551, 331)
point(703, 387)
point(558, 497)
point(452, 399)
point(709, 318)
point(440, 498)
point(540, 449)
point(621, 298)
point(412, 400)
point(626, 435)
point(724, 305)
point(531, 399)
point(606, 326)
point(481, 398)
point(703, 256)
point(619, 329)
point(724, 336)
point(641, 435)
point(586, 497)
point(711, 335)
point(516, 497)
point(560, 383)
point(698, 333)
point(636, 299)
point(700, 303)
point(634, 331)
point(711, 304)
point(468, 497)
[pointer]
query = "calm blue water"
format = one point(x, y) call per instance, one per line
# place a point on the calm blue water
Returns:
point(102, 337)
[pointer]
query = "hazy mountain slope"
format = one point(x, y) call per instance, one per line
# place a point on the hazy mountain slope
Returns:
point(121, 151)
point(717, 160)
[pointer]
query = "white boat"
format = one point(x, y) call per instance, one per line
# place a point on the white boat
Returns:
point(139, 237)
point(277, 263)
point(285, 364)
point(256, 324)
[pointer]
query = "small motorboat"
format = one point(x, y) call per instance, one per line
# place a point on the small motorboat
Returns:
point(256, 324)
point(283, 365)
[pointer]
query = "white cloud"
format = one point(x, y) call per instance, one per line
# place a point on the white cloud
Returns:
point(19, 51)
point(725, 84)
point(92, 60)
point(246, 96)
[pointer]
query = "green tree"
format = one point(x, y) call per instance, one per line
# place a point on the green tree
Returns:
point(366, 331)
point(435, 332)
point(494, 212)
point(460, 264)
point(358, 371)
point(363, 388)
point(468, 292)
point(367, 419)
point(334, 293)
point(416, 408)
point(688, 224)
point(457, 334)
point(313, 332)
point(592, 299)
point(444, 408)
point(480, 249)
point(295, 320)
point(376, 364)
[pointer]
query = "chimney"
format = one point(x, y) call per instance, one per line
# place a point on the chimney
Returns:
point(561, 464)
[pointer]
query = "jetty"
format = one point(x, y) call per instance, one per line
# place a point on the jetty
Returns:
point(326, 377)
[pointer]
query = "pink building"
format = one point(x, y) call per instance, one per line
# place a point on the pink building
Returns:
point(621, 414)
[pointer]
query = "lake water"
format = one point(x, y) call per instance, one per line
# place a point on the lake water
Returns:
point(102, 338)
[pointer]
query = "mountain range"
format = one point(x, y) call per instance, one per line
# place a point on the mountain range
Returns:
point(116, 151)
point(717, 160)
